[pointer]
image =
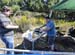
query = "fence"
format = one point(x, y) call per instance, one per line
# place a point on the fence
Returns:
point(38, 52)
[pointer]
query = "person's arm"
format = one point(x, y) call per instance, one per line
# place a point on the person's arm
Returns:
point(6, 23)
point(43, 26)
point(48, 27)
point(11, 26)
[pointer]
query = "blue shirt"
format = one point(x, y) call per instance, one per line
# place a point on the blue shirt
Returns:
point(3, 22)
point(51, 32)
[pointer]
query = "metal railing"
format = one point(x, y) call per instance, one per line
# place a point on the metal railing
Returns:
point(38, 52)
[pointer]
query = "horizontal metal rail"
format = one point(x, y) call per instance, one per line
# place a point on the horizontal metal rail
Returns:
point(37, 52)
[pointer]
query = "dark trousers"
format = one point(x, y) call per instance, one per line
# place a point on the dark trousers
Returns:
point(51, 41)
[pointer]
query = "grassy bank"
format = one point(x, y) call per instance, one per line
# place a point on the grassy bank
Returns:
point(26, 19)
point(25, 22)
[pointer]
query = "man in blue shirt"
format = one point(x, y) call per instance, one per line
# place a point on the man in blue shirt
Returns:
point(51, 32)
point(6, 28)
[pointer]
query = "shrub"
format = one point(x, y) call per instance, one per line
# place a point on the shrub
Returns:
point(15, 8)
point(26, 22)
point(23, 23)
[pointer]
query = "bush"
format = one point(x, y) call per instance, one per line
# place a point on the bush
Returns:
point(25, 23)
point(15, 8)
point(64, 25)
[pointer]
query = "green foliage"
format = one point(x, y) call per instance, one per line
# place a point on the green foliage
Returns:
point(40, 5)
point(25, 22)
point(64, 25)
point(6, 2)
point(15, 8)
point(35, 5)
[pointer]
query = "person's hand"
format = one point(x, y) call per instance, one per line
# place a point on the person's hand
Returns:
point(41, 30)
point(44, 29)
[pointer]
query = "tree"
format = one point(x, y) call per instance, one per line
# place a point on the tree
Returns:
point(34, 5)
point(40, 5)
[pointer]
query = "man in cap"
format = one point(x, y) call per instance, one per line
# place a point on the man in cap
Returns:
point(6, 28)
point(50, 30)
